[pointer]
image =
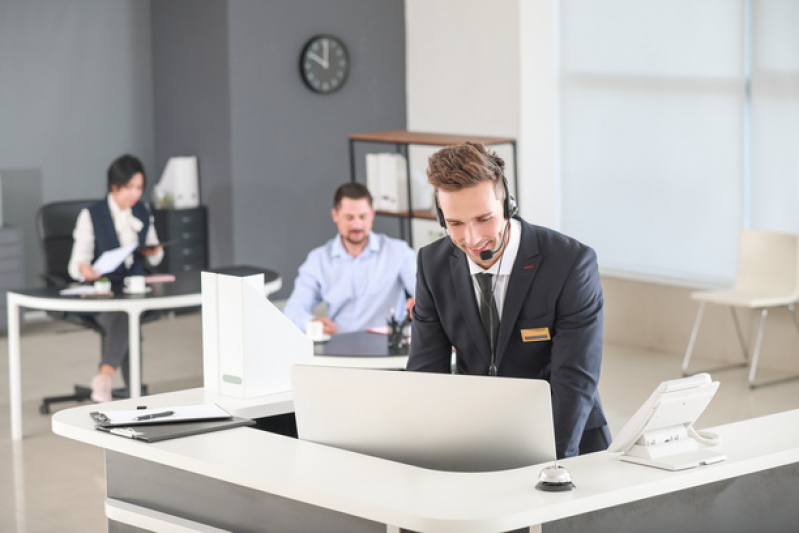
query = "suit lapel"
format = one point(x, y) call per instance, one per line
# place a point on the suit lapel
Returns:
point(524, 270)
point(464, 291)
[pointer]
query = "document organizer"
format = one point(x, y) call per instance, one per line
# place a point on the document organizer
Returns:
point(661, 432)
point(248, 344)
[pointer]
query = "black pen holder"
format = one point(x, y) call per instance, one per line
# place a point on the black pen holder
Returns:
point(395, 339)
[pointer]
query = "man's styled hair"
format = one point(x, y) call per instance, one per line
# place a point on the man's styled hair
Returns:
point(123, 169)
point(352, 190)
point(465, 165)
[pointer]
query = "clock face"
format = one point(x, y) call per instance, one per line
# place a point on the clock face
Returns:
point(324, 64)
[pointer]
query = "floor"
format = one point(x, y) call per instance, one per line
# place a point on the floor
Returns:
point(52, 484)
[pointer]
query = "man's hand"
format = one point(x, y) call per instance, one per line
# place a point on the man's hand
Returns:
point(151, 251)
point(409, 303)
point(88, 273)
point(330, 327)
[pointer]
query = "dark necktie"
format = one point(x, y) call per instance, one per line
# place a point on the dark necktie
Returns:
point(488, 308)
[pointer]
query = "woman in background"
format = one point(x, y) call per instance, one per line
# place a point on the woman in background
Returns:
point(121, 219)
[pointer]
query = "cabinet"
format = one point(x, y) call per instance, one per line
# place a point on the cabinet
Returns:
point(416, 147)
point(12, 266)
point(187, 231)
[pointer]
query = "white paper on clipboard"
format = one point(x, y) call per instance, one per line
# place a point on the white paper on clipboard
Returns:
point(111, 259)
point(180, 413)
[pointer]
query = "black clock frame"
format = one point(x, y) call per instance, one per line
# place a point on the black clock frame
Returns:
point(304, 74)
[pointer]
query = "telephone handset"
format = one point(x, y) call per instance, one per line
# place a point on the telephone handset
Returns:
point(661, 432)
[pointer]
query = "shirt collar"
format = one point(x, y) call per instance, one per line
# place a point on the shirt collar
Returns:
point(123, 217)
point(504, 265)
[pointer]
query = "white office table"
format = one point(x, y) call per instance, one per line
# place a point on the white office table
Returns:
point(183, 292)
point(249, 480)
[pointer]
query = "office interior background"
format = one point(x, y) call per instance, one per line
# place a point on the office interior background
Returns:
point(653, 131)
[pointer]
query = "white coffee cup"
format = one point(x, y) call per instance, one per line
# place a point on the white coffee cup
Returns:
point(315, 330)
point(135, 284)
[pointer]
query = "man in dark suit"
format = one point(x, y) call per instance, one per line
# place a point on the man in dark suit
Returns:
point(537, 315)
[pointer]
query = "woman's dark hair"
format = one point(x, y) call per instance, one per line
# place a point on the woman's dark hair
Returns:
point(123, 169)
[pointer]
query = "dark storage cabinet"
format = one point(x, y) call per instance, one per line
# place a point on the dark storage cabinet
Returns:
point(12, 266)
point(187, 230)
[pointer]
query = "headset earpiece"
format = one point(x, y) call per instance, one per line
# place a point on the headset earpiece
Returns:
point(439, 214)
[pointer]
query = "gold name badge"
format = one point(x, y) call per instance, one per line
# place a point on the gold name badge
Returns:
point(535, 335)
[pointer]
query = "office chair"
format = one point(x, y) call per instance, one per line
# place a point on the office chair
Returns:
point(767, 277)
point(54, 225)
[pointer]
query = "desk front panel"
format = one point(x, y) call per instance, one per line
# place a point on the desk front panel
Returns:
point(218, 503)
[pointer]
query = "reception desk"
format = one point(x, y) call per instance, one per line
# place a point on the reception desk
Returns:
point(245, 479)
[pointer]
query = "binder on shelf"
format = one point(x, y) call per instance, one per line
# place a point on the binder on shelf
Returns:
point(387, 180)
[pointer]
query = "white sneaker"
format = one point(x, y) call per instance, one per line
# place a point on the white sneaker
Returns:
point(101, 388)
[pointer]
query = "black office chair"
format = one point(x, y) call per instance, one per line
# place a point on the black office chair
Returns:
point(54, 225)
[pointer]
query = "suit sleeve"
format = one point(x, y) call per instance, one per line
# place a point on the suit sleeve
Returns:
point(431, 350)
point(576, 352)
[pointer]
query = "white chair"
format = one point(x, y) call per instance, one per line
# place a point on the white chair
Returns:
point(768, 276)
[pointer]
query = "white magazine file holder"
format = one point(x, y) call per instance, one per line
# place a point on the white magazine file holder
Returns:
point(249, 345)
point(661, 432)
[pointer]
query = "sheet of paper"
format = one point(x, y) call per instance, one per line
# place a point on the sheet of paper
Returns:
point(78, 290)
point(125, 417)
point(110, 260)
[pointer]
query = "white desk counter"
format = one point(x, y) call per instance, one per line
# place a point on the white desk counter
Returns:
point(319, 486)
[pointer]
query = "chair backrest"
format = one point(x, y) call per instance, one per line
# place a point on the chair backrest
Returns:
point(54, 225)
point(768, 263)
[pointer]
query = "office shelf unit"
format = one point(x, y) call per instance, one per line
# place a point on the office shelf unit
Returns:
point(12, 266)
point(188, 229)
point(400, 141)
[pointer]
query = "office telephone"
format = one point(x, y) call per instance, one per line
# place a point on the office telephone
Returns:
point(661, 432)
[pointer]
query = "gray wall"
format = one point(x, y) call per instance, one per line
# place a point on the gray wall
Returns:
point(192, 104)
point(84, 81)
point(271, 152)
point(75, 92)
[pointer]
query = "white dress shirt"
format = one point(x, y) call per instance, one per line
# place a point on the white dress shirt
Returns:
point(501, 269)
point(127, 227)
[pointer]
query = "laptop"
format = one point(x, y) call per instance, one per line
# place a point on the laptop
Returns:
point(438, 421)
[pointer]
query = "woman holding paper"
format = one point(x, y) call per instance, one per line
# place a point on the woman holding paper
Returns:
point(121, 219)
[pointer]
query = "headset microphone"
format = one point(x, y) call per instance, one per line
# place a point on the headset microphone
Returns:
point(486, 255)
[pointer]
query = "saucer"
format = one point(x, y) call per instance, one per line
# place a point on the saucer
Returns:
point(147, 290)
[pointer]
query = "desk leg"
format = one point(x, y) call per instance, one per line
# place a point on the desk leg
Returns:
point(134, 353)
point(14, 373)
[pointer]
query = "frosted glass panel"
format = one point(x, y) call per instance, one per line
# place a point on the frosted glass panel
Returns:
point(653, 181)
point(775, 116)
point(653, 38)
point(652, 133)
point(776, 36)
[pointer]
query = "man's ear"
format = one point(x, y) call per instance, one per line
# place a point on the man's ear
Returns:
point(334, 215)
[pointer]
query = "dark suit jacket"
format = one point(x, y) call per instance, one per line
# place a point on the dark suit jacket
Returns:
point(554, 284)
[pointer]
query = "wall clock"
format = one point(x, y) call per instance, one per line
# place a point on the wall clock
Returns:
point(324, 64)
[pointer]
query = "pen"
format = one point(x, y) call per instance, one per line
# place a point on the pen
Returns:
point(154, 415)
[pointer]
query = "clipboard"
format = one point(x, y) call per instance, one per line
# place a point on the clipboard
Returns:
point(159, 415)
point(174, 430)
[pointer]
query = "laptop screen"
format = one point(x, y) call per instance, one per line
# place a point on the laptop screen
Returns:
point(438, 421)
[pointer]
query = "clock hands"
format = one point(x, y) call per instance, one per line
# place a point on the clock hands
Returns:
point(324, 60)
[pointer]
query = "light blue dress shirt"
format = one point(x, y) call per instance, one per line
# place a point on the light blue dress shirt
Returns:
point(359, 291)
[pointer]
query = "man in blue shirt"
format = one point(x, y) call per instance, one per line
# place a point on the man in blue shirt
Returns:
point(361, 275)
